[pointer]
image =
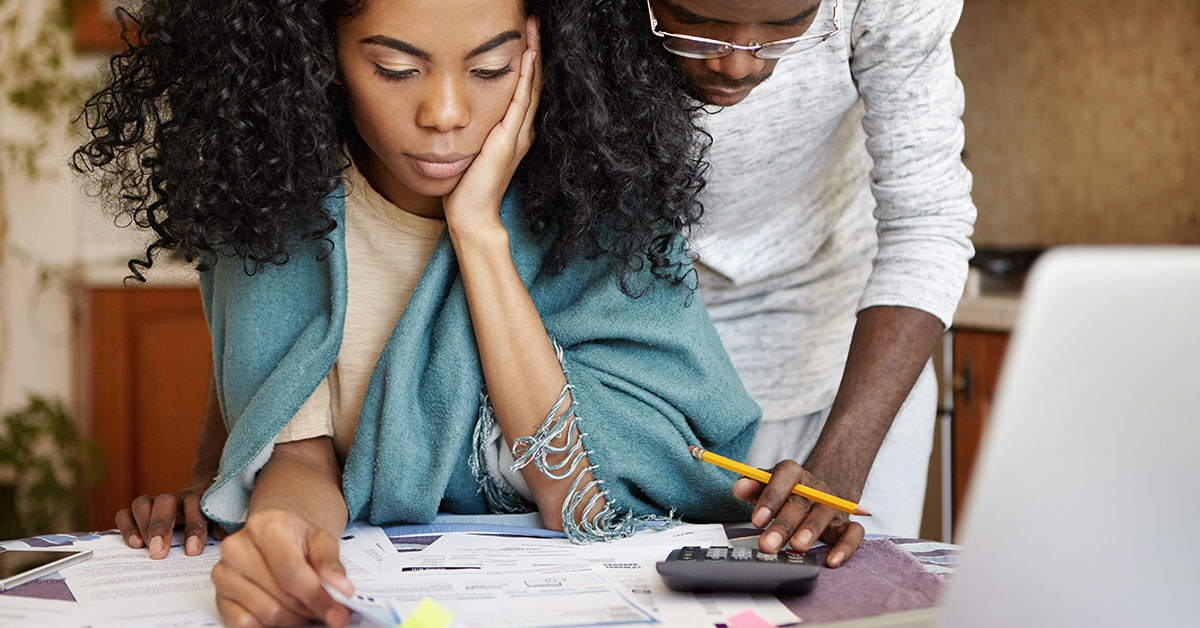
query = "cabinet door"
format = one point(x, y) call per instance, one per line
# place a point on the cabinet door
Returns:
point(142, 374)
point(977, 359)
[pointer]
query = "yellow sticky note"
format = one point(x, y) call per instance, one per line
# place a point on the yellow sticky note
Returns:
point(427, 614)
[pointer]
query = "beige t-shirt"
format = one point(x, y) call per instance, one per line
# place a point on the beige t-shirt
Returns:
point(387, 249)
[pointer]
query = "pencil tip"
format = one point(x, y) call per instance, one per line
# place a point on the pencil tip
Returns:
point(858, 510)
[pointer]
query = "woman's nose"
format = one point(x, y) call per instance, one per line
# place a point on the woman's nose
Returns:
point(444, 107)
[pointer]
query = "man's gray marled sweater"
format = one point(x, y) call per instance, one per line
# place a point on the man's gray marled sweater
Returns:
point(837, 185)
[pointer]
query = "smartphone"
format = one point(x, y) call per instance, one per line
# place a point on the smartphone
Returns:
point(20, 566)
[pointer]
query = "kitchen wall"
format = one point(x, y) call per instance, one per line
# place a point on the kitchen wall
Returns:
point(1082, 120)
point(35, 316)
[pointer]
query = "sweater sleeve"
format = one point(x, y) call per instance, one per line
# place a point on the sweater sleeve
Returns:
point(904, 67)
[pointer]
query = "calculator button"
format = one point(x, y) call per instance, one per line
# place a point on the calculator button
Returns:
point(717, 553)
point(741, 553)
point(764, 557)
point(794, 557)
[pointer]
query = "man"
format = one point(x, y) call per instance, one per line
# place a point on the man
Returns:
point(838, 217)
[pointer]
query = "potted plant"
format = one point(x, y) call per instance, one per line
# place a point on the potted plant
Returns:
point(45, 466)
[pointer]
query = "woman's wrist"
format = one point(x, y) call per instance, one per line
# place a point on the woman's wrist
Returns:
point(477, 231)
point(479, 243)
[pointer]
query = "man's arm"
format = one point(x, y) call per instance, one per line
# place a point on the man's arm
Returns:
point(903, 66)
point(890, 347)
point(149, 520)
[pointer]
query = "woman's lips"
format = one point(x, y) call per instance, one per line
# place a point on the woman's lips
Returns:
point(441, 166)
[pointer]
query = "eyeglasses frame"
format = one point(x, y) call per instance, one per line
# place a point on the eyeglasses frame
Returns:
point(754, 47)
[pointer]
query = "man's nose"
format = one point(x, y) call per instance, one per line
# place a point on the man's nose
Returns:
point(444, 106)
point(737, 65)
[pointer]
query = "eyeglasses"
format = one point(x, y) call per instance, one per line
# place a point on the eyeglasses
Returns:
point(705, 48)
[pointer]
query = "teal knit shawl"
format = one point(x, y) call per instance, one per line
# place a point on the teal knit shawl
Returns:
point(649, 378)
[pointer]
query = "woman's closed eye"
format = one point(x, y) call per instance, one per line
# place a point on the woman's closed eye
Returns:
point(401, 74)
point(491, 73)
point(395, 74)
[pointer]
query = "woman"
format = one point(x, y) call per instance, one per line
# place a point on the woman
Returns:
point(404, 332)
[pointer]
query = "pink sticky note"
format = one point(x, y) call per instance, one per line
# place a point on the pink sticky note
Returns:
point(747, 619)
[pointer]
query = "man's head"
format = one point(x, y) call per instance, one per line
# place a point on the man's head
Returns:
point(728, 75)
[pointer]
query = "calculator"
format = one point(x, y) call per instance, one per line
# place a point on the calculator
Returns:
point(740, 569)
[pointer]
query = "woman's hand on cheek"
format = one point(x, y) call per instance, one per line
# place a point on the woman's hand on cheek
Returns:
point(475, 201)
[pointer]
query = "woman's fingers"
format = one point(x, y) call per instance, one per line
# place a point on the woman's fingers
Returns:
point(129, 529)
point(195, 525)
point(140, 509)
point(323, 554)
point(534, 38)
point(248, 598)
point(519, 106)
point(234, 615)
point(294, 567)
point(150, 522)
point(155, 519)
point(241, 557)
point(161, 526)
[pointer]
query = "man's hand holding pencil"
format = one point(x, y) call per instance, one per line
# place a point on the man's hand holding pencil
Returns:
point(797, 506)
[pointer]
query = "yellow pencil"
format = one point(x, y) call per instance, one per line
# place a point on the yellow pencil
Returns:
point(759, 475)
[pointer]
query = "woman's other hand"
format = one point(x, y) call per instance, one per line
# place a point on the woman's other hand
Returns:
point(150, 522)
point(270, 574)
point(476, 199)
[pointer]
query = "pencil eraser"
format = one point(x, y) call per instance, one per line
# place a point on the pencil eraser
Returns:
point(748, 619)
point(427, 614)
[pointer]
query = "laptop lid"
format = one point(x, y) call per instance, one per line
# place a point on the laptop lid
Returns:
point(1085, 501)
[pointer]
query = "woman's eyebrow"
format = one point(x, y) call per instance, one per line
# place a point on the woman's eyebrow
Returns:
point(493, 43)
point(396, 44)
point(405, 47)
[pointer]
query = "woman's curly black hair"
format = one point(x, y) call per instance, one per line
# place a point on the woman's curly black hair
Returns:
point(221, 130)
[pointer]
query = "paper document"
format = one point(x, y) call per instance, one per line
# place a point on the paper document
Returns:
point(630, 563)
point(175, 591)
point(22, 612)
point(366, 551)
point(526, 600)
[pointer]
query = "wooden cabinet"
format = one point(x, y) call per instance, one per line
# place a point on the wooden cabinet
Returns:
point(977, 359)
point(141, 376)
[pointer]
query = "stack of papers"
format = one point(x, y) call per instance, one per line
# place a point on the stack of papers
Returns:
point(480, 579)
point(518, 582)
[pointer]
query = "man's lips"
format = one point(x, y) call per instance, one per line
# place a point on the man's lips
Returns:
point(723, 96)
point(441, 166)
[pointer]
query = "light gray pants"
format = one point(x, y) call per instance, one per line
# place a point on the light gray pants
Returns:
point(895, 490)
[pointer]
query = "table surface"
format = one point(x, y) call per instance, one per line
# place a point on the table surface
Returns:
point(937, 559)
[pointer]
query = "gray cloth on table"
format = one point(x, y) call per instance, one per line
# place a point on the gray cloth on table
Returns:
point(879, 578)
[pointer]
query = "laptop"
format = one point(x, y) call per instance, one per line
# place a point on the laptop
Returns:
point(1084, 508)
